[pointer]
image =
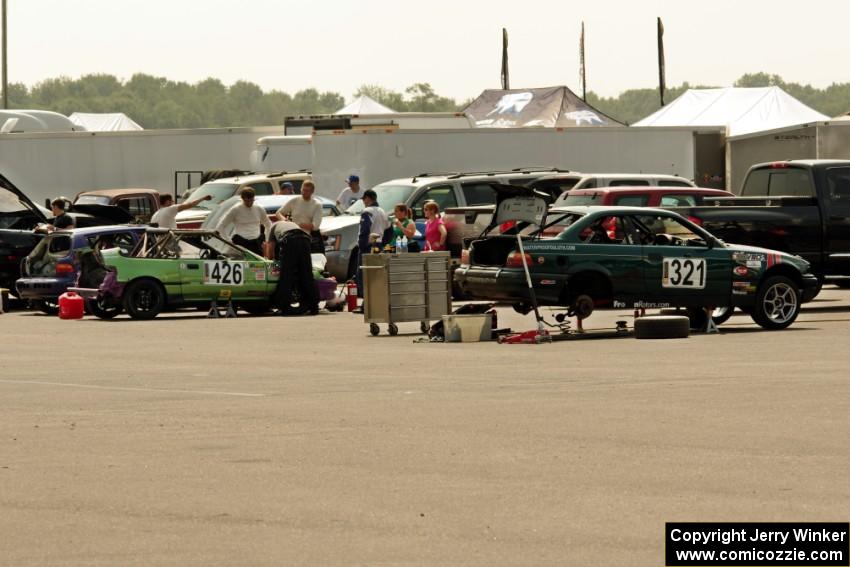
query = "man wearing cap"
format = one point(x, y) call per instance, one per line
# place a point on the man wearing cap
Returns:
point(247, 218)
point(350, 194)
point(375, 229)
point(287, 188)
point(306, 212)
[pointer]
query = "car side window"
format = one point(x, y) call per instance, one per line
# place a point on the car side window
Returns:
point(606, 230)
point(661, 230)
point(629, 183)
point(678, 201)
point(60, 244)
point(631, 201)
point(139, 207)
point(263, 188)
point(443, 195)
point(479, 194)
point(838, 180)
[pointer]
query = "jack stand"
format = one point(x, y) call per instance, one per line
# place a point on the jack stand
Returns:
point(230, 313)
point(710, 327)
point(642, 312)
point(622, 327)
point(579, 326)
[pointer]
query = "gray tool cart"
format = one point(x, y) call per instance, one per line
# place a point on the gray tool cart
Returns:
point(407, 287)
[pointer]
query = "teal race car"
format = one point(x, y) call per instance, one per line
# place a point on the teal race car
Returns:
point(627, 257)
point(182, 268)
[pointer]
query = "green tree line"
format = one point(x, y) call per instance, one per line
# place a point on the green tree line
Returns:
point(157, 102)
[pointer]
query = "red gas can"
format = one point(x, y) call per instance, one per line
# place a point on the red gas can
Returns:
point(71, 306)
point(351, 295)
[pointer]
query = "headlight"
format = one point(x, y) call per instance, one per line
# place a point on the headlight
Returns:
point(332, 242)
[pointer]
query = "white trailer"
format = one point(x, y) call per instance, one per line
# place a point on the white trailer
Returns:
point(46, 165)
point(818, 140)
point(377, 155)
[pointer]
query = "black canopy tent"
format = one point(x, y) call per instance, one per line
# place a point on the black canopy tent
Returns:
point(549, 107)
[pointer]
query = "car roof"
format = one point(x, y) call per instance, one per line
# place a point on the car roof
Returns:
point(431, 177)
point(269, 200)
point(640, 189)
point(611, 210)
point(632, 176)
point(259, 177)
point(100, 229)
point(116, 192)
point(803, 162)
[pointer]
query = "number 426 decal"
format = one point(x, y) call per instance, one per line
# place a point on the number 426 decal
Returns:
point(223, 273)
point(683, 272)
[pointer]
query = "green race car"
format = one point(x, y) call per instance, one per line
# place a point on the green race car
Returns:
point(177, 268)
point(625, 257)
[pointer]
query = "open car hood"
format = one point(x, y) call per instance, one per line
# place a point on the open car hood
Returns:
point(112, 213)
point(515, 203)
point(13, 192)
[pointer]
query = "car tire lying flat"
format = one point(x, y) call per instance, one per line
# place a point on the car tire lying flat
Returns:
point(662, 327)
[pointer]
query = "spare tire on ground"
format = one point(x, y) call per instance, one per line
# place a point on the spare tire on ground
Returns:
point(662, 327)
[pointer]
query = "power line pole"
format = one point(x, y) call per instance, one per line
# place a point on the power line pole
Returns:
point(5, 85)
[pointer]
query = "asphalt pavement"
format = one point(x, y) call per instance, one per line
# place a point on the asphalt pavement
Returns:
point(305, 441)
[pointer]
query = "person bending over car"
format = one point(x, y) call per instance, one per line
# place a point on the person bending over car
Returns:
point(296, 270)
point(61, 219)
point(247, 218)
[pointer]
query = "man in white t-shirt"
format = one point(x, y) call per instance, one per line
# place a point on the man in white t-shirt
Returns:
point(246, 218)
point(166, 216)
point(306, 212)
point(350, 194)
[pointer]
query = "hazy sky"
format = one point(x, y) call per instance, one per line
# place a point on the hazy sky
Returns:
point(454, 45)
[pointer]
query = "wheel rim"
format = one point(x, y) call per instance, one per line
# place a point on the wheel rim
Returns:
point(780, 303)
point(144, 300)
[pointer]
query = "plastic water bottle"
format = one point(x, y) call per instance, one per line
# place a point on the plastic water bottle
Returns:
point(402, 244)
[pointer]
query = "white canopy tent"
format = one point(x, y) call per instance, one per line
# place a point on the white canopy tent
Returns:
point(108, 122)
point(365, 105)
point(741, 110)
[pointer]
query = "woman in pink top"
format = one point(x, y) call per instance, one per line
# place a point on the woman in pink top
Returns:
point(435, 229)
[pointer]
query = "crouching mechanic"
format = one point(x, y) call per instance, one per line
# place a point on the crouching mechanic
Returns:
point(296, 270)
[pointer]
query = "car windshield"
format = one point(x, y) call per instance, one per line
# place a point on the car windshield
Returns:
point(218, 191)
point(388, 197)
point(92, 200)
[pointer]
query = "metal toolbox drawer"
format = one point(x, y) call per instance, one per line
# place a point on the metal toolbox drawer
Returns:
point(406, 299)
point(410, 313)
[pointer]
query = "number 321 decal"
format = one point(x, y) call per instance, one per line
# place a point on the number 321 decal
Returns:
point(683, 272)
point(223, 273)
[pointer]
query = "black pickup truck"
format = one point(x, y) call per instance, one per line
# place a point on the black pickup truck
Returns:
point(796, 206)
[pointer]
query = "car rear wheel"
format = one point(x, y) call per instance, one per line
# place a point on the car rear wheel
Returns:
point(144, 299)
point(777, 303)
point(103, 310)
point(47, 306)
point(662, 327)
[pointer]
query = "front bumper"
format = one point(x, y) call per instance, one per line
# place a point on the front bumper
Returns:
point(811, 286)
point(43, 288)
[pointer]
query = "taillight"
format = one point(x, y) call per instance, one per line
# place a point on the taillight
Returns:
point(515, 260)
point(64, 268)
point(695, 220)
point(779, 165)
point(464, 257)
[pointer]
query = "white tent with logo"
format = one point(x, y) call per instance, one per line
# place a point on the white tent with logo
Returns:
point(107, 122)
point(365, 105)
point(741, 110)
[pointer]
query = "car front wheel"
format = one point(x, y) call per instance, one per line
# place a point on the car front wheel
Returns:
point(777, 303)
point(144, 299)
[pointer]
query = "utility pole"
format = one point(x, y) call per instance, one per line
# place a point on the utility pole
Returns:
point(5, 79)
